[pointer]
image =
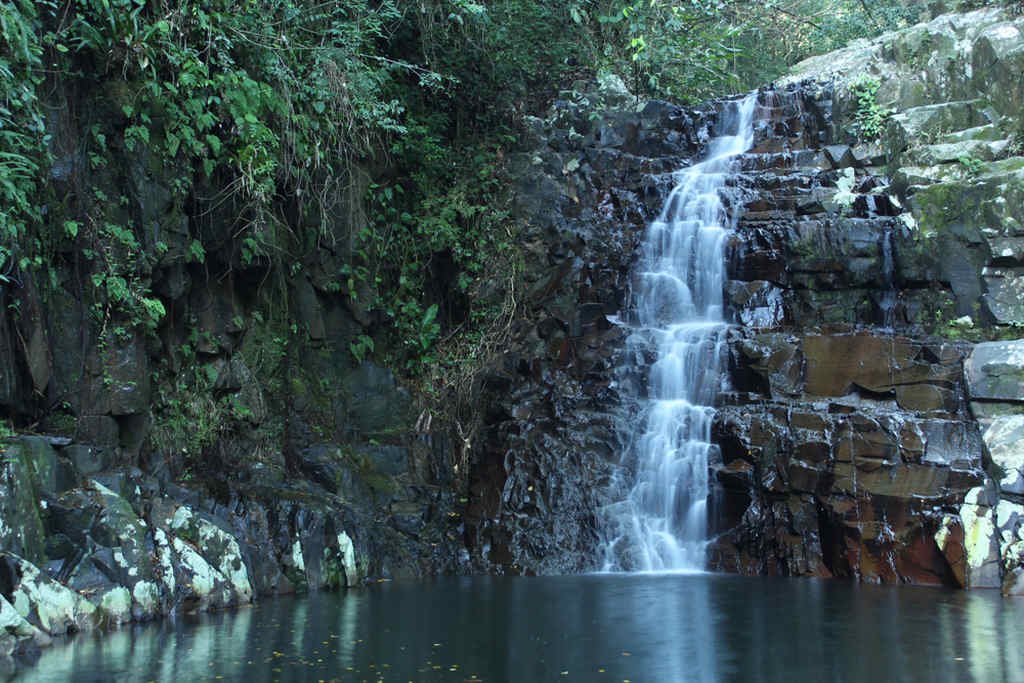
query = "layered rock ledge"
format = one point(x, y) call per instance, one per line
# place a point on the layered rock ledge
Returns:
point(870, 280)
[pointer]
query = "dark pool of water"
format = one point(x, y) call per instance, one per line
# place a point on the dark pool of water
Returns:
point(581, 628)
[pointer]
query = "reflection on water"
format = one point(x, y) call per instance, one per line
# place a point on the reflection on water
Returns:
point(584, 628)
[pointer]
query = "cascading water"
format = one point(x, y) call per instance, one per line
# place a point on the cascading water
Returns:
point(662, 523)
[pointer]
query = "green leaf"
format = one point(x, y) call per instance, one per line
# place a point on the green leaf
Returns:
point(429, 316)
point(215, 145)
point(196, 251)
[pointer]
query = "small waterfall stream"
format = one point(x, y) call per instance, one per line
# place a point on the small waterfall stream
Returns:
point(662, 524)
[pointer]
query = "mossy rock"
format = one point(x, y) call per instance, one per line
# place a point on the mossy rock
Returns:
point(28, 469)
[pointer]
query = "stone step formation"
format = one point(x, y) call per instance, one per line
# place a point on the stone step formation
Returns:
point(864, 435)
point(851, 442)
point(845, 439)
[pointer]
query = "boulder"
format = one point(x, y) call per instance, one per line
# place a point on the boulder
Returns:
point(995, 371)
point(1010, 526)
point(980, 539)
point(107, 552)
point(27, 470)
point(1004, 439)
point(16, 633)
point(218, 547)
point(199, 587)
point(46, 604)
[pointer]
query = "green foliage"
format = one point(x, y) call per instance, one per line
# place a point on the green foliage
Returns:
point(22, 132)
point(189, 416)
point(362, 346)
point(448, 212)
point(267, 102)
point(258, 113)
point(869, 118)
point(972, 165)
point(242, 88)
point(775, 34)
point(675, 50)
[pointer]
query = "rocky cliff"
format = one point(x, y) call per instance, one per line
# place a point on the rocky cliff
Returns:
point(871, 425)
point(231, 445)
point(867, 429)
point(874, 279)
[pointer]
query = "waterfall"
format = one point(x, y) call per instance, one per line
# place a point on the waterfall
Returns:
point(662, 523)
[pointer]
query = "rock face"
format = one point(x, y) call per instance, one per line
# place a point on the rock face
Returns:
point(161, 350)
point(122, 547)
point(951, 146)
point(862, 433)
point(846, 442)
point(217, 380)
point(544, 462)
point(871, 424)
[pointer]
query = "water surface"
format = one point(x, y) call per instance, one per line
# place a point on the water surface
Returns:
point(581, 628)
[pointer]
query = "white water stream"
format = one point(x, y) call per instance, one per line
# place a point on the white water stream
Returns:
point(662, 525)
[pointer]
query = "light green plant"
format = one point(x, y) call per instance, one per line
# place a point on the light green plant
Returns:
point(972, 165)
point(869, 117)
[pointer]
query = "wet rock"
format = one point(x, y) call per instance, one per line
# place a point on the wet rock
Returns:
point(995, 371)
point(949, 442)
point(925, 398)
point(218, 547)
point(1010, 525)
point(1004, 439)
point(44, 603)
point(980, 539)
point(837, 365)
point(777, 360)
point(16, 634)
point(950, 540)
